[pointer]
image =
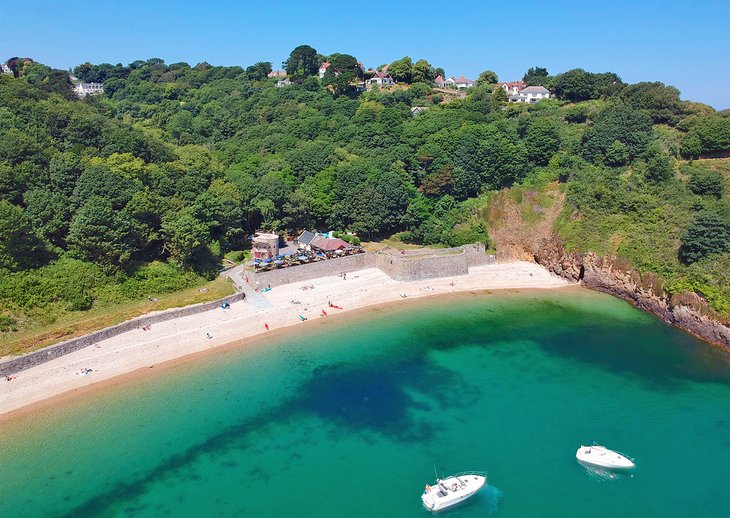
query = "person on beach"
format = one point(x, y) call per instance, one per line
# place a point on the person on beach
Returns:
point(266, 325)
point(208, 336)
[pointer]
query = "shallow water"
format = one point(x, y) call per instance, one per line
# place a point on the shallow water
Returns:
point(350, 419)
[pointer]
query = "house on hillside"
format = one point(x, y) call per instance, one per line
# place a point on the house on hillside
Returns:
point(416, 110)
point(84, 89)
point(283, 82)
point(439, 81)
point(530, 95)
point(381, 79)
point(6, 70)
point(513, 87)
point(463, 82)
point(276, 73)
point(323, 68)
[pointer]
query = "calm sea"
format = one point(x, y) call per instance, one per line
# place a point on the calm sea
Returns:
point(350, 419)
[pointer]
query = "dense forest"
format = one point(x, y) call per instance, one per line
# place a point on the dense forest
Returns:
point(146, 187)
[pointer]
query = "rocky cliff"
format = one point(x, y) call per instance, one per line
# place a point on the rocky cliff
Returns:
point(688, 311)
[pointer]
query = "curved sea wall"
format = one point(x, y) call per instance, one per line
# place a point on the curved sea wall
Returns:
point(687, 311)
point(74, 344)
point(412, 265)
point(422, 264)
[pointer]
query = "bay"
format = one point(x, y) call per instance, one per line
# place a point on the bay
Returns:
point(351, 418)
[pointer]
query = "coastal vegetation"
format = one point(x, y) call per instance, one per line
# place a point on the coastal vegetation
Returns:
point(143, 190)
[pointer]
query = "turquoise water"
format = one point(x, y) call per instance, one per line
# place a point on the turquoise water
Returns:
point(349, 419)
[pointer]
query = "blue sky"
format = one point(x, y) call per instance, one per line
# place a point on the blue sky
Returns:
point(682, 43)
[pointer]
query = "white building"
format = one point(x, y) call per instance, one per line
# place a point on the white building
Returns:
point(381, 79)
point(513, 87)
point(6, 69)
point(281, 83)
point(84, 89)
point(530, 95)
point(463, 82)
point(323, 68)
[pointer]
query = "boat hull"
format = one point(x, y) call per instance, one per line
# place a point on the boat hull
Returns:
point(452, 491)
point(602, 457)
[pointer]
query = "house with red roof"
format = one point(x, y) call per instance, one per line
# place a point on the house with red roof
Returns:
point(326, 244)
point(463, 82)
point(323, 68)
point(439, 81)
point(381, 79)
point(513, 87)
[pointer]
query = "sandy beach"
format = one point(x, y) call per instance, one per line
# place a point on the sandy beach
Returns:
point(142, 349)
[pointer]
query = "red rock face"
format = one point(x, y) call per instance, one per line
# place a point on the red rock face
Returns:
point(687, 311)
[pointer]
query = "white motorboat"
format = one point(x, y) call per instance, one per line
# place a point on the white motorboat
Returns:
point(452, 490)
point(596, 455)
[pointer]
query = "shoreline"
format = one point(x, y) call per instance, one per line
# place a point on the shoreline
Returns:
point(138, 353)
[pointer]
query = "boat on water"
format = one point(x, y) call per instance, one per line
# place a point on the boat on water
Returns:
point(596, 455)
point(452, 490)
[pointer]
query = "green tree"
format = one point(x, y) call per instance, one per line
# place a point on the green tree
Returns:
point(658, 164)
point(713, 132)
point(617, 122)
point(258, 71)
point(184, 235)
point(488, 77)
point(662, 102)
point(342, 72)
point(536, 76)
point(574, 85)
point(50, 214)
point(99, 180)
point(707, 235)
point(617, 154)
point(401, 70)
point(302, 62)
point(542, 140)
point(691, 146)
point(423, 72)
point(19, 246)
point(100, 234)
point(705, 182)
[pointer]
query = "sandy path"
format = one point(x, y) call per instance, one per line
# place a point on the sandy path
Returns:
point(180, 337)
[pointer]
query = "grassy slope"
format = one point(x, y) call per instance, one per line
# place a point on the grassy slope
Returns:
point(77, 323)
point(647, 237)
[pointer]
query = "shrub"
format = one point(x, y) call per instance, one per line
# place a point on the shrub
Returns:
point(705, 182)
point(707, 235)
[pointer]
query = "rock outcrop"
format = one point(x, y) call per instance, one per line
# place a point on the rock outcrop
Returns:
point(687, 311)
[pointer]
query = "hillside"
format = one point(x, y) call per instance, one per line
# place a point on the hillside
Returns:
point(144, 189)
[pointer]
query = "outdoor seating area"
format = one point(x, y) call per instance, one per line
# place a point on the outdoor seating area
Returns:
point(301, 256)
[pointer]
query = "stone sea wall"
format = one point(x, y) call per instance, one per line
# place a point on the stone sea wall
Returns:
point(687, 311)
point(413, 265)
point(306, 272)
point(432, 264)
point(29, 360)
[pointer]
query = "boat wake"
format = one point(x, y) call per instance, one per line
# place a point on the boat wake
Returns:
point(605, 474)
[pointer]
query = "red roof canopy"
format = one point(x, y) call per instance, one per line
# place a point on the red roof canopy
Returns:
point(329, 245)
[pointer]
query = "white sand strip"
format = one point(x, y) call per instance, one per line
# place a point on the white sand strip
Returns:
point(173, 339)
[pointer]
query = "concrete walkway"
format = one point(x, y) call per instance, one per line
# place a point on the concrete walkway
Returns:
point(253, 297)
